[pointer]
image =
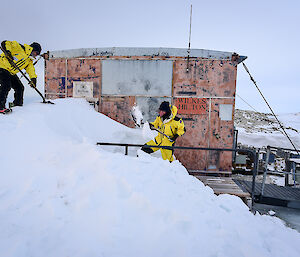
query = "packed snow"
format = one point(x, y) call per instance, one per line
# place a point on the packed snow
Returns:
point(137, 116)
point(61, 195)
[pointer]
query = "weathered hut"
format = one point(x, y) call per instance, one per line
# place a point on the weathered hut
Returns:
point(202, 86)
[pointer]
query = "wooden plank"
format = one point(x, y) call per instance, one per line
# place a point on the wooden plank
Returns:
point(223, 185)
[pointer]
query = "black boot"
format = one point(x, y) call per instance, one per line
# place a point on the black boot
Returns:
point(4, 110)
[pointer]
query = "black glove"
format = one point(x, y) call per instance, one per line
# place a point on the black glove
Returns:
point(174, 138)
point(151, 126)
point(45, 56)
point(33, 82)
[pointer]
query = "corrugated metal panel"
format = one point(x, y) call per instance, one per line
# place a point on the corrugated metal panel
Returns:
point(132, 51)
point(137, 77)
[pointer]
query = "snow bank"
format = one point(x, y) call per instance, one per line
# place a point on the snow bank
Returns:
point(61, 195)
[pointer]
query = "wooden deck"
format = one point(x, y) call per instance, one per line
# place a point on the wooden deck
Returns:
point(223, 185)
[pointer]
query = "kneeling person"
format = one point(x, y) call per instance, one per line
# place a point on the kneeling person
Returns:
point(171, 127)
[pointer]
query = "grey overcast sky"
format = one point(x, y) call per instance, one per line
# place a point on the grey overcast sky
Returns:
point(267, 31)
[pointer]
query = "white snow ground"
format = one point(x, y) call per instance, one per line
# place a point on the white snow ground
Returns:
point(261, 129)
point(61, 195)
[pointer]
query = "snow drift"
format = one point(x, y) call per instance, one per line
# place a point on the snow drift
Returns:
point(61, 195)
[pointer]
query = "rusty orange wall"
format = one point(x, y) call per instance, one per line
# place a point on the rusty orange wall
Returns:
point(208, 79)
point(211, 80)
point(118, 108)
point(62, 72)
point(55, 78)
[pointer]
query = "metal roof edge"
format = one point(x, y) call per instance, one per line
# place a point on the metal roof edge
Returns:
point(242, 58)
point(142, 51)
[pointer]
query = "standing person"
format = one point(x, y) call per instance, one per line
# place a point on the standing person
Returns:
point(171, 126)
point(21, 56)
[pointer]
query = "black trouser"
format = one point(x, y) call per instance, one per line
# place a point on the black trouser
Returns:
point(7, 82)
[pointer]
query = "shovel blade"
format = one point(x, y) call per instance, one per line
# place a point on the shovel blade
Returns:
point(47, 102)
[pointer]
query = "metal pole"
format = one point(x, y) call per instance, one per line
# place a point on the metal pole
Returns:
point(66, 79)
point(287, 169)
point(126, 150)
point(235, 144)
point(255, 156)
point(265, 170)
point(179, 147)
point(294, 172)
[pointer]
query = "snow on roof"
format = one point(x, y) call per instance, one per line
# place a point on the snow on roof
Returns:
point(144, 51)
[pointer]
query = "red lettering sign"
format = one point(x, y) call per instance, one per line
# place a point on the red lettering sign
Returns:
point(191, 105)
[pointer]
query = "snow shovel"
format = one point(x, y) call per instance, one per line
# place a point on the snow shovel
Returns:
point(24, 75)
point(153, 128)
point(150, 125)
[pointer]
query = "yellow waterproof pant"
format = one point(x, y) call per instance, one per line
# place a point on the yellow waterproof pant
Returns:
point(166, 154)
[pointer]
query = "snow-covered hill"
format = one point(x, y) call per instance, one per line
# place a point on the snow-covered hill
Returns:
point(61, 195)
point(261, 129)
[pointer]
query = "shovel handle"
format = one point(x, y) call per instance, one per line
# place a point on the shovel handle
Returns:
point(163, 134)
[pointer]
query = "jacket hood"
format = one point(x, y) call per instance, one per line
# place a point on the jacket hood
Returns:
point(173, 114)
point(28, 49)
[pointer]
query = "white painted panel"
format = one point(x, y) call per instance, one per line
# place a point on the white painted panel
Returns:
point(137, 77)
point(83, 89)
point(225, 112)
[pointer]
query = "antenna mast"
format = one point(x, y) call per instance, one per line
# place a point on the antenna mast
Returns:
point(189, 48)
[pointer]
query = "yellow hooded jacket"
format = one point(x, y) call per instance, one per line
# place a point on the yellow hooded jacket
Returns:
point(21, 57)
point(171, 127)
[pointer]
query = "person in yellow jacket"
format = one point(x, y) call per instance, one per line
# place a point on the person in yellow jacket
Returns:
point(171, 127)
point(21, 56)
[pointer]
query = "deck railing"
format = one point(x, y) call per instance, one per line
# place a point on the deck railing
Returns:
point(252, 153)
point(290, 168)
